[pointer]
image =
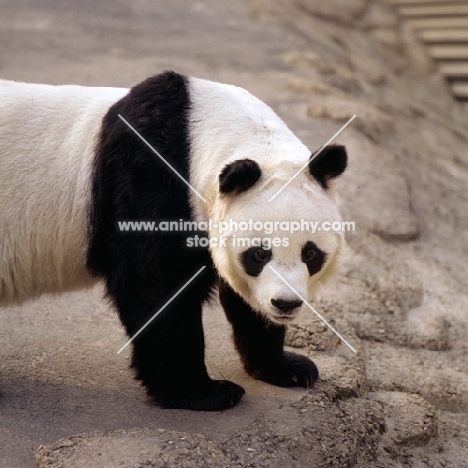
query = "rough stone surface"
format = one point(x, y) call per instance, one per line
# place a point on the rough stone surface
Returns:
point(370, 121)
point(310, 332)
point(426, 330)
point(150, 448)
point(341, 12)
point(345, 374)
point(434, 376)
point(297, 435)
point(400, 296)
point(410, 419)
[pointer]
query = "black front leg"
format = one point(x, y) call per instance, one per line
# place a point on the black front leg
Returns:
point(260, 345)
point(168, 355)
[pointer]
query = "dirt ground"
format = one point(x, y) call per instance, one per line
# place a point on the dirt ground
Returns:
point(68, 400)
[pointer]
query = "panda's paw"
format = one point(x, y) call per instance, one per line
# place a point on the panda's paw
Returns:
point(293, 370)
point(218, 396)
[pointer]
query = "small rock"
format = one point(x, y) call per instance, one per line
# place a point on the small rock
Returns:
point(309, 332)
point(347, 375)
point(410, 419)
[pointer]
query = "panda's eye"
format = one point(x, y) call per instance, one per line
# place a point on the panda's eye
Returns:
point(261, 255)
point(310, 255)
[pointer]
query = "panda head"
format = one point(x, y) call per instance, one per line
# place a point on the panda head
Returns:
point(251, 258)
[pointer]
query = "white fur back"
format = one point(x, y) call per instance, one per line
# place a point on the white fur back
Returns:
point(47, 140)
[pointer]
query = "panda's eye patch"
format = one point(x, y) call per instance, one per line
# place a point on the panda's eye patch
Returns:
point(313, 257)
point(254, 259)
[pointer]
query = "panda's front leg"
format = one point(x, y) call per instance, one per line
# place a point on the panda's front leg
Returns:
point(168, 355)
point(260, 344)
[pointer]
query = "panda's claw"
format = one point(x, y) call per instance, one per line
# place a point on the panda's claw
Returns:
point(292, 370)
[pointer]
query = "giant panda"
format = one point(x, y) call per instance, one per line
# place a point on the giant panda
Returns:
point(71, 169)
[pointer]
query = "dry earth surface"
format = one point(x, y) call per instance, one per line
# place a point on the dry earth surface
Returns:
point(68, 400)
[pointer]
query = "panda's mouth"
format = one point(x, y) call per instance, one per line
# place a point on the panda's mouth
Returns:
point(284, 318)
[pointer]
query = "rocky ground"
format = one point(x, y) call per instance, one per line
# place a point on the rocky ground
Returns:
point(400, 297)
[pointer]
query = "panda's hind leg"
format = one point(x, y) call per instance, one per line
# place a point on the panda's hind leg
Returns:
point(260, 345)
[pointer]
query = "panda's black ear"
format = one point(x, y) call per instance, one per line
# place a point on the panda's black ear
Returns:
point(239, 176)
point(330, 163)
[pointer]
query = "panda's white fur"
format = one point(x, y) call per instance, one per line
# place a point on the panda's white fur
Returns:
point(70, 170)
point(228, 123)
point(48, 138)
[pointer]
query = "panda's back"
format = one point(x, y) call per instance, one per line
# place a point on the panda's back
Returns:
point(48, 136)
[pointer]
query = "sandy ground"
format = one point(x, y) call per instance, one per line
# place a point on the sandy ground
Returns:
point(68, 400)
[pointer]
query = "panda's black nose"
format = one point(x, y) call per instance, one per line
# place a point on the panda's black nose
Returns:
point(286, 306)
